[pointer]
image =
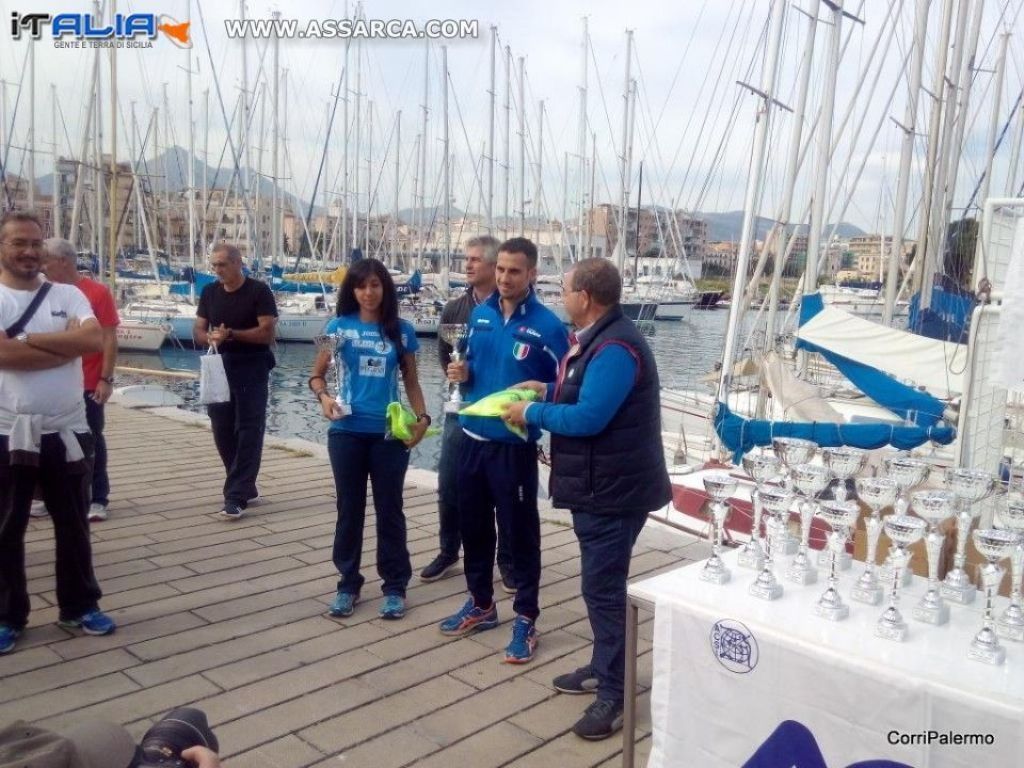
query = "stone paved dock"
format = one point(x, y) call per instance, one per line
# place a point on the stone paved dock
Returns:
point(229, 617)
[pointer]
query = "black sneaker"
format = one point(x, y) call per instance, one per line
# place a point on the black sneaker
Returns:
point(231, 511)
point(601, 720)
point(583, 680)
point(439, 567)
point(507, 582)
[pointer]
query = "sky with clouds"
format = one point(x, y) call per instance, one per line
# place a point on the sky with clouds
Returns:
point(693, 126)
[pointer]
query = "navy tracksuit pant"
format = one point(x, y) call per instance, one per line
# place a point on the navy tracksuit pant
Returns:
point(500, 480)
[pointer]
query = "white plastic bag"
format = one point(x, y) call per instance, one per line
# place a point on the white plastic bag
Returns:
point(213, 381)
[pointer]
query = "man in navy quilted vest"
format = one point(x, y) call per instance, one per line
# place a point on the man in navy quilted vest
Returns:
point(607, 468)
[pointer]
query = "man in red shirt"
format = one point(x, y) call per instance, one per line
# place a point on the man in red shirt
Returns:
point(60, 265)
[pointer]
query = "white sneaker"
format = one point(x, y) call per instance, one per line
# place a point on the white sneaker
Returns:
point(257, 499)
point(38, 509)
point(97, 512)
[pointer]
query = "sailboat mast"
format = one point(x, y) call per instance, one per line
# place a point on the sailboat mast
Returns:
point(112, 195)
point(751, 197)
point(582, 199)
point(906, 157)
point(538, 195)
point(57, 228)
point(275, 171)
point(356, 148)
point(620, 235)
point(522, 146)
point(423, 156)
point(31, 126)
point(507, 156)
point(490, 134)
point(447, 256)
point(398, 183)
point(792, 170)
point(191, 171)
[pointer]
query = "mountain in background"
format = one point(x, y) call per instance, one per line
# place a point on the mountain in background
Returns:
point(729, 226)
point(726, 225)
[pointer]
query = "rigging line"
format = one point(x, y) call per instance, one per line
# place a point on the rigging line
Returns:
point(729, 61)
point(465, 134)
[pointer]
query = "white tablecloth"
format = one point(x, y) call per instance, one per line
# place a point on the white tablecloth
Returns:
point(776, 661)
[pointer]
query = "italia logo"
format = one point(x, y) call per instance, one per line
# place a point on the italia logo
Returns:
point(520, 350)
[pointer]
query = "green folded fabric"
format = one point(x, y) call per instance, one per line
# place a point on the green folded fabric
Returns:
point(400, 419)
point(493, 406)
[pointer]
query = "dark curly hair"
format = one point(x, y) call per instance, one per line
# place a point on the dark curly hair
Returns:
point(356, 276)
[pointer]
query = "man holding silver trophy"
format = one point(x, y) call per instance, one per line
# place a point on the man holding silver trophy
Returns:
point(481, 254)
point(513, 337)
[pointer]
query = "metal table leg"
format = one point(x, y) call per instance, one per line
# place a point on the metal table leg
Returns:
point(629, 700)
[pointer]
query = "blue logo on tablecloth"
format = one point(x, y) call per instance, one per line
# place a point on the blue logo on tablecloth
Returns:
point(734, 646)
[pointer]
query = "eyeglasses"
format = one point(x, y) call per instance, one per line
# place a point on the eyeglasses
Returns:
point(219, 264)
point(21, 244)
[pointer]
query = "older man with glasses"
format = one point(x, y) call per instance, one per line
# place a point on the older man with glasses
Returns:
point(237, 315)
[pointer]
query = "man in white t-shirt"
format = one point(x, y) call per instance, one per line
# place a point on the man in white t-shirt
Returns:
point(44, 435)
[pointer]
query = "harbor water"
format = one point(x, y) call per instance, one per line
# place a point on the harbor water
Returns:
point(686, 351)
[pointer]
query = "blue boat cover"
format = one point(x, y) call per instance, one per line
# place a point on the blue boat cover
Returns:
point(906, 402)
point(740, 435)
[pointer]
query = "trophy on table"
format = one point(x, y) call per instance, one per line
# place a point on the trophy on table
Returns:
point(841, 516)
point(845, 464)
point(902, 530)
point(935, 508)
point(719, 487)
point(776, 503)
point(907, 473)
point(994, 544)
point(809, 480)
point(333, 344)
point(877, 493)
point(453, 334)
point(969, 486)
point(1011, 624)
point(792, 451)
point(761, 467)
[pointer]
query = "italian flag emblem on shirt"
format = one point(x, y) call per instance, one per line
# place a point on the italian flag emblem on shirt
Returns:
point(520, 350)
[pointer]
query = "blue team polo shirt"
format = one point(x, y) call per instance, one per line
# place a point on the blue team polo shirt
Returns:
point(370, 373)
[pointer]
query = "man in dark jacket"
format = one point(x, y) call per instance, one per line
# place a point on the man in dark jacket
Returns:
point(481, 256)
point(607, 467)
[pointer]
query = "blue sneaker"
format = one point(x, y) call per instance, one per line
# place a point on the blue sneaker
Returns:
point(524, 641)
point(8, 637)
point(91, 623)
point(470, 619)
point(393, 607)
point(344, 604)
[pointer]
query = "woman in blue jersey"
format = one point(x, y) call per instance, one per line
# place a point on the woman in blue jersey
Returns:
point(375, 346)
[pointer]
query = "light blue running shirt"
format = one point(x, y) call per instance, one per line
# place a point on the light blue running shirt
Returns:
point(370, 372)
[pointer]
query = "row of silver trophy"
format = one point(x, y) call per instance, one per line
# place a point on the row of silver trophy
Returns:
point(797, 482)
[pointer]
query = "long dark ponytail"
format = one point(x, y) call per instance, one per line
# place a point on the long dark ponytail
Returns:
point(356, 276)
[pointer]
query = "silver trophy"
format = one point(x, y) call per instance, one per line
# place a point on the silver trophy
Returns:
point(902, 530)
point(719, 487)
point(761, 467)
point(333, 344)
point(845, 464)
point(877, 493)
point(969, 486)
point(1011, 624)
point(776, 503)
point(841, 516)
point(935, 508)
point(907, 473)
point(453, 334)
point(994, 544)
point(809, 480)
point(792, 451)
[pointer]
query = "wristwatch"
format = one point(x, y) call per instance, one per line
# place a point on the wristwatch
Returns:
point(108, 379)
point(22, 337)
point(425, 417)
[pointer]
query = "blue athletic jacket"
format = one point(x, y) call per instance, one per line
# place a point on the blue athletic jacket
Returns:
point(500, 353)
